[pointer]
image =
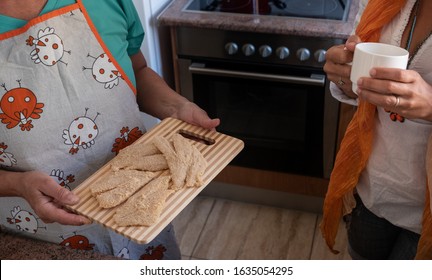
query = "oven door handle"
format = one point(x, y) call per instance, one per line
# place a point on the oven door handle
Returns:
point(314, 79)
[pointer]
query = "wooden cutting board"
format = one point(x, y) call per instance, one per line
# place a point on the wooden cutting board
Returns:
point(217, 148)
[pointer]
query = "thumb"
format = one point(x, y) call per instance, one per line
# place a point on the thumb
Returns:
point(352, 42)
point(62, 195)
point(354, 39)
point(210, 123)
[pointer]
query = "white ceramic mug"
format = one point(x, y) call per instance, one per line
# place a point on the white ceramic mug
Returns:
point(370, 55)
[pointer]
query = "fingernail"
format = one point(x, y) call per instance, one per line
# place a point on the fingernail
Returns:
point(372, 72)
point(73, 199)
point(85, 221)
point(360, 82)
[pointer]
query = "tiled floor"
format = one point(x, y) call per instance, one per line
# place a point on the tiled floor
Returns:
point(219, 229)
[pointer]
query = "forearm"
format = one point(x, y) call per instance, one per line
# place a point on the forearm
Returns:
point(10, 182)
point(155, 97)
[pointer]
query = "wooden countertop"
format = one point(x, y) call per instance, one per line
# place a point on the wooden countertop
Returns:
point(175, 15)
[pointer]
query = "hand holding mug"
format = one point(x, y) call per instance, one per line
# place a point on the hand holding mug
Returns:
point(338, 64)
point(370, 55)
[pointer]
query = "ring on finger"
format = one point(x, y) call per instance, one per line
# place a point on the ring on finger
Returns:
point(397, 102)
point(340, 82)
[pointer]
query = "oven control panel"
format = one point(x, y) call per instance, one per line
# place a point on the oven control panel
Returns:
point(282, 52)
point(254, 47)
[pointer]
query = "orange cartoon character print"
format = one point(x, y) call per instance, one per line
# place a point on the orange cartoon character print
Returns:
point(126, 138)
point(77, 242)
point(19, 106)
point(82, 132)
point(154, 253)
point(104, 71)
point(23, 220)
point(6, 159)
point(48, 47)
point(61, 179)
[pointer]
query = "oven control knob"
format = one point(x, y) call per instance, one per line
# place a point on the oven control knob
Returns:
point(303, 54)
point(282, 53)
point(231, 48)
point(248, 49)
point(265, 51)
point(320, 55)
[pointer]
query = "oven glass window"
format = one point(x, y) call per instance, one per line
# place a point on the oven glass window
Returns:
point(280, 123)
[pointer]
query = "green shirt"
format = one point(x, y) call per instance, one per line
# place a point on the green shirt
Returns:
point(117, 22)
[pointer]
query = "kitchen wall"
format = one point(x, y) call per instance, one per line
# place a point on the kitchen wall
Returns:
point(156, 46)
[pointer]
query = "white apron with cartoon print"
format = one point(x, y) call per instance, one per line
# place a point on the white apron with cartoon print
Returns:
point(65, 109)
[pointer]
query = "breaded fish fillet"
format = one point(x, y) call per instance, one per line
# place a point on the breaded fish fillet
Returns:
point(146, 206)
point(119, 186)
point(186, 163)
point(140, 156)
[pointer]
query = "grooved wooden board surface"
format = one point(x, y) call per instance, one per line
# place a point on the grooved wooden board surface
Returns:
point(218, 156)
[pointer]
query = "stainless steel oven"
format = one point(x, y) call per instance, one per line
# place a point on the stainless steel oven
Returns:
point(269, 91)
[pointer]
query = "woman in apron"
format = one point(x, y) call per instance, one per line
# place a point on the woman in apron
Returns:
point(73, 85)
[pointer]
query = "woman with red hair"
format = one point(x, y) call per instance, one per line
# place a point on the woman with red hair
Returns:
point(382, 176)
